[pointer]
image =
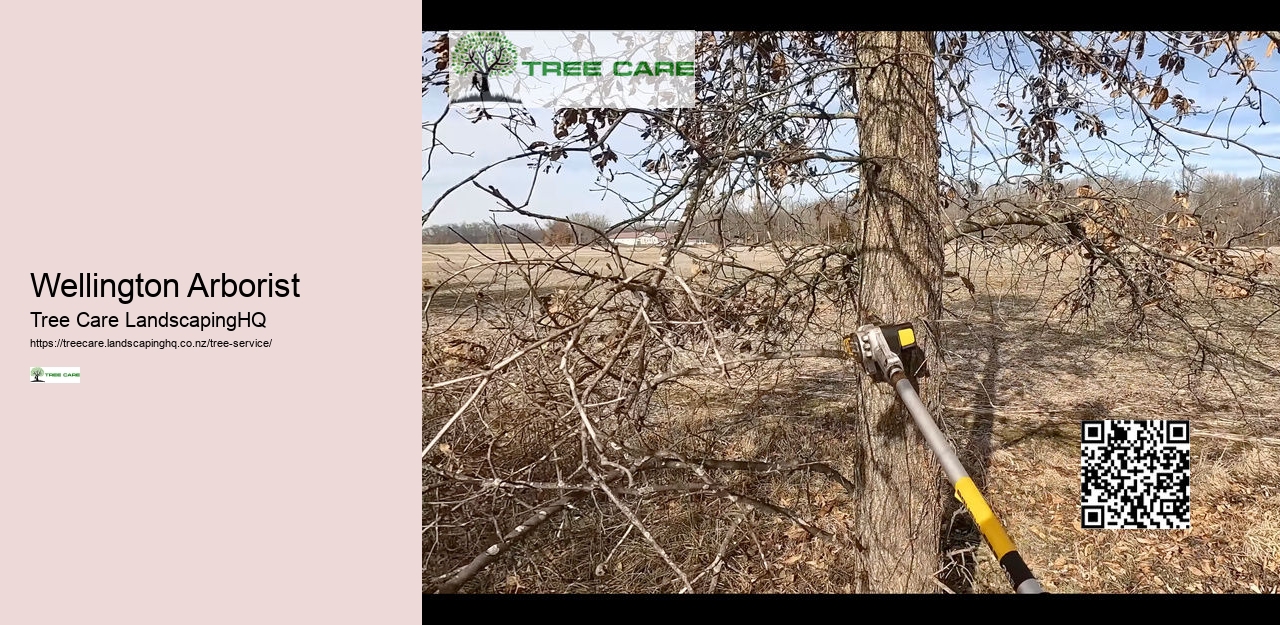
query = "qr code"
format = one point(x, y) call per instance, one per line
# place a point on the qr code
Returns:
point(1135, 474)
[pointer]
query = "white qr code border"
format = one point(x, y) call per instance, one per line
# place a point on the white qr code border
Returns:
point(1135, 474)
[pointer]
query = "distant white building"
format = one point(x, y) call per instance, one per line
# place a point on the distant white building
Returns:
point(638, 237)
point(635, 237)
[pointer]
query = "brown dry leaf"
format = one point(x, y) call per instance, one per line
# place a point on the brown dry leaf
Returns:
point(779, 68)
point(797, 533)
point(1271, 47)
point(792, 560)
point(1161, 94)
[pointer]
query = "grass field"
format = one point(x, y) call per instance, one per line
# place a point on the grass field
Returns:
point(441, 261)
point(1016, 386)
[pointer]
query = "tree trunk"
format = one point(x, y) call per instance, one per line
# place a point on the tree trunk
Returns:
point(899, 515)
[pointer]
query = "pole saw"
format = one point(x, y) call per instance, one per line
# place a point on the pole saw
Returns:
point(889, 353)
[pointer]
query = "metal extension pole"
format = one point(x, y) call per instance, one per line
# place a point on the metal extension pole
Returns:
point(1023, 581)
point(882, 357)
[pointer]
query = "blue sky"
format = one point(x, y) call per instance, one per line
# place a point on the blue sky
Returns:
point(573, 188)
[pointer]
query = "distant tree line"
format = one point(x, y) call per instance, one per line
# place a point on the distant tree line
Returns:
point(577, 228)
point(481, 232)
point(1242, 211)
point(1234, 205)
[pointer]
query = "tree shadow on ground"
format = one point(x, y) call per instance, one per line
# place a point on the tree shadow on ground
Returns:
point(806, 410)
point(992, 365)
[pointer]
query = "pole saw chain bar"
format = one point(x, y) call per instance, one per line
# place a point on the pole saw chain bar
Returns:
point(890, 353)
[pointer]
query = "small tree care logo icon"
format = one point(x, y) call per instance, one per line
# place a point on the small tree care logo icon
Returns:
point(484, 55)
point(54, 375)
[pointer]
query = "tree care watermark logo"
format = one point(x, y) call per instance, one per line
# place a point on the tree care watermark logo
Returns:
point(572, 69)
point(54, 375)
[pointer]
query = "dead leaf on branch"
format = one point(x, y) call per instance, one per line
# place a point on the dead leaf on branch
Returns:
point(1161, 94)
point(779, 68)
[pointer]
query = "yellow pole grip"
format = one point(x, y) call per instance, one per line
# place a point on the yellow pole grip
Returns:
point(988, 524)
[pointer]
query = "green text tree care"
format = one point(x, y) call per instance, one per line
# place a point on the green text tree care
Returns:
point(617, 68)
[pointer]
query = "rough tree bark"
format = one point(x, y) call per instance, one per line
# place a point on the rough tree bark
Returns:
point(901, 268)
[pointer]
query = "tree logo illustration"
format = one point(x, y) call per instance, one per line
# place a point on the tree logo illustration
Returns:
point(36, 372)
point(484, 54)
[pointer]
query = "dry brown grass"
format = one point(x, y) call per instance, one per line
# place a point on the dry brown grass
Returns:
point(1016, 388)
